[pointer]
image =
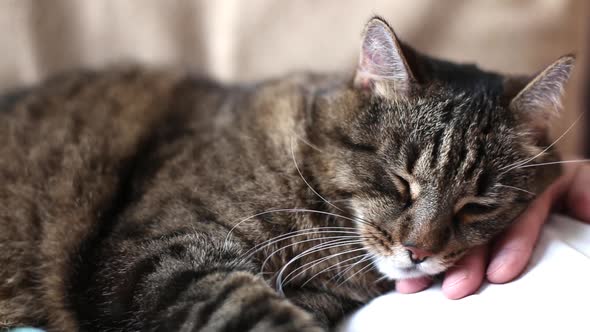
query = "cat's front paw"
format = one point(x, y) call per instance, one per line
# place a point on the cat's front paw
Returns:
point(241, 302)
point(286, 317)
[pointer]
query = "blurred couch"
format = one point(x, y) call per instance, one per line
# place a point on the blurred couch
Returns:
point(245, 40)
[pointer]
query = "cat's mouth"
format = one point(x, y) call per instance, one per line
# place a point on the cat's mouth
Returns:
point(389, 270)
point(395, 270)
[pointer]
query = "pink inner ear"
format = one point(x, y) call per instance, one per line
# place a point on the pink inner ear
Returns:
point(381, 59)
point(541, 99)
point(378, 55)
point(375, 54)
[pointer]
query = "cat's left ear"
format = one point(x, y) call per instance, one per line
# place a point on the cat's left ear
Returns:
point(540, 100)
point(382, 66)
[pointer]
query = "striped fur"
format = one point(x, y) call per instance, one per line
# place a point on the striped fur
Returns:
point(135, 200)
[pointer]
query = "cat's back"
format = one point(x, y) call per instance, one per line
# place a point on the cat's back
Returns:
point(76, 148)
point(67, 146)
point(78, 123)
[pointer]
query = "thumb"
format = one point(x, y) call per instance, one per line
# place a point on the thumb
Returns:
point(577, 200)
point(513, 249)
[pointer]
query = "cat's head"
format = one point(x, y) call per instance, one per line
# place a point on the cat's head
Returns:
point(434, 158)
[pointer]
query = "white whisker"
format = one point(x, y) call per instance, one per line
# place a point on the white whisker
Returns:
point(339, 264)
point(314, 263)
point(516, 188)
point(310, 240)
point(370, 265)
point(307, 183)
point(294, 210)
point(344, 200)
point(557, 162)
point(518, 164)
point(313, 190)
point(319, 247)
point(381, 279)
point(313, 146)
point(303, 232)
point(366, 257)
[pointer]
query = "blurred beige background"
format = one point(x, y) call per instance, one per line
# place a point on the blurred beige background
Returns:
point(245, 40)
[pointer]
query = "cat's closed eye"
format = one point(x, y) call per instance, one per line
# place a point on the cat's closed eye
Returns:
point(404, 189)
point(472, 211)
point(476, 208)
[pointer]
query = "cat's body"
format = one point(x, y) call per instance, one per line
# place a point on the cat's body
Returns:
point(136, 200)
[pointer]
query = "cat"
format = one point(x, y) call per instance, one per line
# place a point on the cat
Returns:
point(138, 199)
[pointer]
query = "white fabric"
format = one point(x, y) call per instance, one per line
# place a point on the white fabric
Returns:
point(552, 295)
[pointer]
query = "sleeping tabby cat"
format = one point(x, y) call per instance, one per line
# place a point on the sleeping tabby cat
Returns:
point(144, 200)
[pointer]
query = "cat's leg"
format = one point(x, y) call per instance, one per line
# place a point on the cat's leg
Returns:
point(328, 305)
point(188, 281)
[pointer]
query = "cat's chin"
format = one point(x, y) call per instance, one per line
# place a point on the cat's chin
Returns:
point(395, 273)
point(392, 271)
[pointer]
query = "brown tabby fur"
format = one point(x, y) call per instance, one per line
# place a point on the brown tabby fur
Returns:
point(100, 169)
point(64, 149)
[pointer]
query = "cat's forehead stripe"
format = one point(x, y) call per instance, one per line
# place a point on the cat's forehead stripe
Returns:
point(445, 147)
point(423, 162)
point(435, 147)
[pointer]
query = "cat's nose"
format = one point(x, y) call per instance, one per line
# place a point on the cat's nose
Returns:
point(416, 254)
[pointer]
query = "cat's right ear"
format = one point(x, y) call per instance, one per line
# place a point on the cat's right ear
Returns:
point(540, 100)
point(382, 67)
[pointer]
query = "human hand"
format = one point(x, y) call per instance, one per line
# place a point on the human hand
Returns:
point(509, 254)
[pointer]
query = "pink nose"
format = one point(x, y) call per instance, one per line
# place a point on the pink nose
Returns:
point(417, 255)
